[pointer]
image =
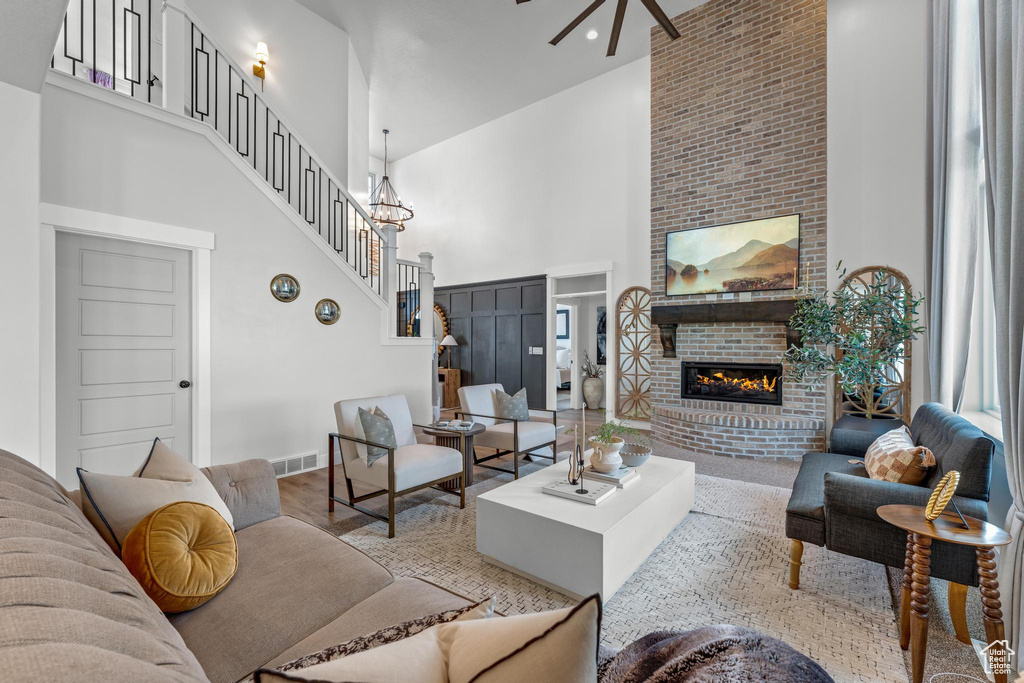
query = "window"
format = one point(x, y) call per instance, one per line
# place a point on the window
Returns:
point(372, 179)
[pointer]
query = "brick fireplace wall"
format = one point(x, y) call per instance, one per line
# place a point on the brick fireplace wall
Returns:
point(738, 133)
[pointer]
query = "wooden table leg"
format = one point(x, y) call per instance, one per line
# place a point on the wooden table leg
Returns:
point(992, 610)
point(908, 574)
point(919, 592)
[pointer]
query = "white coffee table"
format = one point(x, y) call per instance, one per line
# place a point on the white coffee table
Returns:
point(580, 549)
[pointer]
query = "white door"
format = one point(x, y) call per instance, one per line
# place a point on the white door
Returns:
point(124, 363)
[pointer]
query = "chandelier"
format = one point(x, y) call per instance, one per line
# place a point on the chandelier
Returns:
point(386, 206)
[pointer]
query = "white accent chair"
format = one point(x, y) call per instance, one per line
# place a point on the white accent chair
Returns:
point(533, 438)
point(411, 466)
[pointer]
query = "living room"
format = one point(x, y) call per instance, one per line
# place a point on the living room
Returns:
point(719, 378)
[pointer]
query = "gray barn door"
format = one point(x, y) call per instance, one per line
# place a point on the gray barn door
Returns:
point(123, 328)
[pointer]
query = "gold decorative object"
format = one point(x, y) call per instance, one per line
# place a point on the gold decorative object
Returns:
point(441, 327)
point(941, 496)
point(633, 354)
point(894, 398)
point(284, 287)
point(327, 311)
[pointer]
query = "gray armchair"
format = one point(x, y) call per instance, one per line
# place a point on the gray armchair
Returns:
point(834, 501)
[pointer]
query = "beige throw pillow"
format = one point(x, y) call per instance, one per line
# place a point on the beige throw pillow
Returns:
point(116, 504)
point(547, 647)
point(894, 457)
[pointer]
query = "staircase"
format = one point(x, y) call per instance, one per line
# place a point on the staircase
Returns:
point(199, 81)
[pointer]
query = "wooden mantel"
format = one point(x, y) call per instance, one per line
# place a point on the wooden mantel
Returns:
point(668, 318)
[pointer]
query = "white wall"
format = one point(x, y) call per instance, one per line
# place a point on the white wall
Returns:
point(563, 181)
point(19, 264)
point(358, 129)
point(276, 370)
point(878, 143)
point(308, 72)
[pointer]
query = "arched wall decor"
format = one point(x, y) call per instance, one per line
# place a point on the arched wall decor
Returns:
point(892, 398)
point(441, 328)
point(633, 354)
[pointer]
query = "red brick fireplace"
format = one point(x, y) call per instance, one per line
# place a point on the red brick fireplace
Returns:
point(737, 134)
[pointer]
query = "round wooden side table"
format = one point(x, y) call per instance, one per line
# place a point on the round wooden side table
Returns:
point(462, 441)
point(917, 568)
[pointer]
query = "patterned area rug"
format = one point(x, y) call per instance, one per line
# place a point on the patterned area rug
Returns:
point(726, 563)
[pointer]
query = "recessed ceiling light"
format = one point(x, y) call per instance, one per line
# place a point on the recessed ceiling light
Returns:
point(591, 34)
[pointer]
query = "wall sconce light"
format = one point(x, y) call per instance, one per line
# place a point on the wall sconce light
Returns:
point(262, 56)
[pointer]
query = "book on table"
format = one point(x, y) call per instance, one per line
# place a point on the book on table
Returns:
point(595, 491)
point(621, 477)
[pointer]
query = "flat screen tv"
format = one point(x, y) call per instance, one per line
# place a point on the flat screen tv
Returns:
point(735, 257)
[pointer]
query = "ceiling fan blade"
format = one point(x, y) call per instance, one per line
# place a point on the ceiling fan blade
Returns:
point(577, 21)
point(666, 24)
point(620, 13)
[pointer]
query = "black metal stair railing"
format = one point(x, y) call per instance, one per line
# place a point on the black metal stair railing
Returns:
point(408, 296)
point(111, 43)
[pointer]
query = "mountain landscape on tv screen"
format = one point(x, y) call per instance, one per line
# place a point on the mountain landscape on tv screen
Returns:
point(757, 265)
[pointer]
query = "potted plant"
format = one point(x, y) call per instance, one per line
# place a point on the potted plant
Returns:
point(856, 335)
point(607, 440)
point(593, 384)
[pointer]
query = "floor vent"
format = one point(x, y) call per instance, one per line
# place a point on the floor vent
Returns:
point(294, 464)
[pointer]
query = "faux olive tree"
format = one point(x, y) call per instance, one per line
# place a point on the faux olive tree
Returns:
point(856, 334)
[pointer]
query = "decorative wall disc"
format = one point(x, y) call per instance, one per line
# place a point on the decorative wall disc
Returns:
point(284, 287)
point(327, 311)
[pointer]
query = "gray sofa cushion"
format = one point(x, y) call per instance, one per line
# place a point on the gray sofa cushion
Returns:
point(957, 445)
point(249, 489)
point(69, 610)
point(293, 579)
point(805, 513)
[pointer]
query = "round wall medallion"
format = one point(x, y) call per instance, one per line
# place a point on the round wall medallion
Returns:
point(327, 311)
point(284, 287)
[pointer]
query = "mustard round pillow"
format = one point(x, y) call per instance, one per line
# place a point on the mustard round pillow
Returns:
point(182, 554)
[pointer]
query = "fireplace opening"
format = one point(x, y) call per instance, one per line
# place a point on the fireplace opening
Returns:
point(746, 383)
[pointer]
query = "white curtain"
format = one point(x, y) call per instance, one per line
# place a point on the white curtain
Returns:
point(957, 194)
point(1002, 31)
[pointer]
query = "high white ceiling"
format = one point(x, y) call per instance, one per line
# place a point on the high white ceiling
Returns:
point(437, 68)
point(28, 32)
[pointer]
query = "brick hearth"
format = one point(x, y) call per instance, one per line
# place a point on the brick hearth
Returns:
point(742, 140)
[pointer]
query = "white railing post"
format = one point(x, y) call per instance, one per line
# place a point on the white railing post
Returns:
point(427, 330)
point(175, 76)
point(389, 275)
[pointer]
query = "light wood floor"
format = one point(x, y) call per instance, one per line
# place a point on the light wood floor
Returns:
point(305, 495)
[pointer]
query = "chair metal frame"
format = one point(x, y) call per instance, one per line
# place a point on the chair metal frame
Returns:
point(515, 440)
point(353, 499)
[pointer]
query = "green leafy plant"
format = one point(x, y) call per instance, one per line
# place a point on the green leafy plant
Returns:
point(609, 431)
point(591, 369)
point(855, 335)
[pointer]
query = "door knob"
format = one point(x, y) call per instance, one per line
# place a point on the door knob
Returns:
point(184, 384)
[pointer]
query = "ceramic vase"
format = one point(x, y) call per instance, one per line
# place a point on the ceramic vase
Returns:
point(593, 392)
point(606, 456)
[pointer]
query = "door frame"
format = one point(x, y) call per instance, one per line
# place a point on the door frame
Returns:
point(55, 218)
point(605, 268)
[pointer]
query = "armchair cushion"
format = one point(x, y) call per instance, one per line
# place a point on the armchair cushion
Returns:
point(415, 464)
point(395, 406)
point(805, 514)
point(479, 399)
point(531, 435)
point(957, 445)
point(846, 494)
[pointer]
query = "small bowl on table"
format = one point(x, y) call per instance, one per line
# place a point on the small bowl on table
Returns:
point(634, 455)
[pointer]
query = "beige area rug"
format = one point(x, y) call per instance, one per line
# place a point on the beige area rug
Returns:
point(726, 563)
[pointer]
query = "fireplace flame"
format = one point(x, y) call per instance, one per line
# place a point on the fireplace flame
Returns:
point(745, 384)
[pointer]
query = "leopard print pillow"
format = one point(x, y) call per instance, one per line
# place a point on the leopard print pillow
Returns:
point(384, 636)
